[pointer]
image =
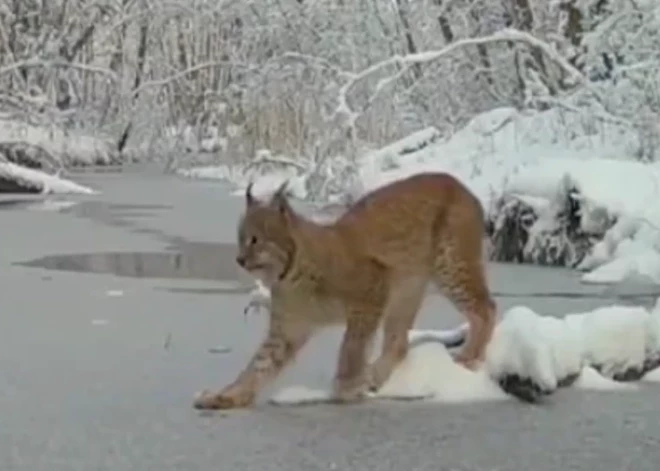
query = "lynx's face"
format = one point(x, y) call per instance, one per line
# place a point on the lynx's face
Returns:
point(264, 242)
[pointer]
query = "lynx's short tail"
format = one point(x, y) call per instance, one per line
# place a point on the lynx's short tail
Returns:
point(450, 338)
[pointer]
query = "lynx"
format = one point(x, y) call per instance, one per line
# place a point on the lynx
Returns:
point(372, 264)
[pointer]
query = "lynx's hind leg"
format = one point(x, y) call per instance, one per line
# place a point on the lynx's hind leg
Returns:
point(460, 274)
point(403, 303)
point(464, 283)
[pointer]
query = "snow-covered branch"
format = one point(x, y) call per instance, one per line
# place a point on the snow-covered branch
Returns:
point(506, 35)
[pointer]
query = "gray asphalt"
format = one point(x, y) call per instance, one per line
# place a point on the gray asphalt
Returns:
point(98, 371)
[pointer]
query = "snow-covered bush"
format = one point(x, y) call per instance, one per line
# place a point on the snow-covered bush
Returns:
point(528, 229)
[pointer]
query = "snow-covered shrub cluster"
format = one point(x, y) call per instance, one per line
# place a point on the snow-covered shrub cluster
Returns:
point(525, 229)
point(530, 357)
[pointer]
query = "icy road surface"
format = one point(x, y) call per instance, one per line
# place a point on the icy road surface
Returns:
point(98, 371)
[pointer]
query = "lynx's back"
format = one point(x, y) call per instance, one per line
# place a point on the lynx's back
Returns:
point(404, 222)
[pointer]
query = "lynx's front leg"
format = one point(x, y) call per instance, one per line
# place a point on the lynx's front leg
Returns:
point(403, 302)
point(275, 352)
point(350, 378)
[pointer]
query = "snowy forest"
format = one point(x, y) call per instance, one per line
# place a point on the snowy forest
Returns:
point(315, 86)
point(309, 78)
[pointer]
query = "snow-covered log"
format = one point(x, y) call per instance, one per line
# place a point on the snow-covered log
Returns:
point(17, 179)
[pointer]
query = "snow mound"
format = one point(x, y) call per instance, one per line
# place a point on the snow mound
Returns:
point(427, 373)
point(430, 371)
point(20, 179)
point(527, 347)
point(590, 379)
point(530, 356)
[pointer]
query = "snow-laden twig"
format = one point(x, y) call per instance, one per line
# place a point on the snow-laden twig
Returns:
point(182, 73)
point(31, 63)
point(262, 159)
point(605, 117)
point(505, 35)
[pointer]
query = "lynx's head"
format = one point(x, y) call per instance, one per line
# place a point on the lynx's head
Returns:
point(265, 245)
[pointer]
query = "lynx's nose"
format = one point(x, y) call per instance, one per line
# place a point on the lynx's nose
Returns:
point(240, 260)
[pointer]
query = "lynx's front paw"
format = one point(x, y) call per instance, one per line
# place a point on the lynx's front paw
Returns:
point(347, 391)
point(208, 400)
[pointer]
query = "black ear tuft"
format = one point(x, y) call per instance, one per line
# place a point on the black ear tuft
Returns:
point(279, 200)
point(249, 199)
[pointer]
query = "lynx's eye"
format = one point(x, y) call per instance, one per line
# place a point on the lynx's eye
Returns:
point(253, 240)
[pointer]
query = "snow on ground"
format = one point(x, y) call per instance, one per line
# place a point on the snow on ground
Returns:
point(39, 181)
point(534, 156)
point(65, 147)
point(596, 350)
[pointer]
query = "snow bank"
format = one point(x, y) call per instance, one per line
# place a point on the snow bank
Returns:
point(60, 147)
point(266, 171)
point(29, 180)
point(529, 357)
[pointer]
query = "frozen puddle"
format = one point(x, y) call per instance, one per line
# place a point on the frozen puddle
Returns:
point(530, 356)
point(186, 260)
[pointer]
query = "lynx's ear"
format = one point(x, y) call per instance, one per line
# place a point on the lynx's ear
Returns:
point(279, 200)
point(249, 199)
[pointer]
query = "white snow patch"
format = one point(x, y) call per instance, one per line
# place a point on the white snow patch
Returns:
point(591, 380)
point(630, 259)
point(51, 205)
point(615, 338)
point(652, 377)
point(429, 370)
point(231, 173)
point(40, 180)
point(300, 395)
